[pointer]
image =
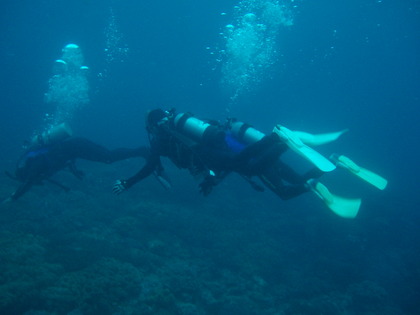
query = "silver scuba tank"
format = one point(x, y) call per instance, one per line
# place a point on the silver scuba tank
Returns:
point(245, 133)
point(199, 130)
point(52, 135)
point(191, 126)
point(249, 135)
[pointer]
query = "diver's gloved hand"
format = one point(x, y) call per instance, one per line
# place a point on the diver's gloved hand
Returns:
point(119, 186)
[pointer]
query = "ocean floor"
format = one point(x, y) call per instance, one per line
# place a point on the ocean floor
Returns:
point(151, 251)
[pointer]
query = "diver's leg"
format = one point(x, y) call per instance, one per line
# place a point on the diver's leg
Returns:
point(256, 148)
point(80, 148)
point(259, 155)
point(274, 180)
point(124, 153)
point(291, 176)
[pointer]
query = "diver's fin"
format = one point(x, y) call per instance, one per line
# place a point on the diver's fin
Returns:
point(318, 139)
point(295, 144)
point(343, 207)
point(368, 176)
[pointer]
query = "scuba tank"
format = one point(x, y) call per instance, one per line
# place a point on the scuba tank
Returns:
point(38, 145)
point(245, 133)
point(52, 135)
point(199, 130)
point(248, 135)
point(194, 128)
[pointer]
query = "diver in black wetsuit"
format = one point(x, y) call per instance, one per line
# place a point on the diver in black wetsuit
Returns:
point(39, 163)
point(214, 150)
point(283, 160)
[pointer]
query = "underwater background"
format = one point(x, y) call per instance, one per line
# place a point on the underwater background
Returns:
point(317, 66)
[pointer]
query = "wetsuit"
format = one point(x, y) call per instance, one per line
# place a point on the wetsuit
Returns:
point(41, 163)
point(220, 154)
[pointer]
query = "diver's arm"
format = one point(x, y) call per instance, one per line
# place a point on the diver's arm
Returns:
point(22, 189)
point(148, 168)
point(33, 174)
point(152, 163)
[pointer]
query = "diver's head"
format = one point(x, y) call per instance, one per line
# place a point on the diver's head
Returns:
point(155, 119)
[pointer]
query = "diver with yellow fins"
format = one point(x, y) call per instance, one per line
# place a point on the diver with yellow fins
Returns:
point(284, 160)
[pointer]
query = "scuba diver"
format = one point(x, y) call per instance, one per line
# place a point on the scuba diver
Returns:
point(55, 150)
point(282, 160)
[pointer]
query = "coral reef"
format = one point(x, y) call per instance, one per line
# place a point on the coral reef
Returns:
point(152, 252)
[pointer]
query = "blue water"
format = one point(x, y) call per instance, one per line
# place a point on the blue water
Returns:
point(351, 64)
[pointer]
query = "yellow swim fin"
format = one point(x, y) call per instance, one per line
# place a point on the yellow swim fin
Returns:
point(318, 139)
point(368, 176)
point(295, 144)
point(343, 207)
